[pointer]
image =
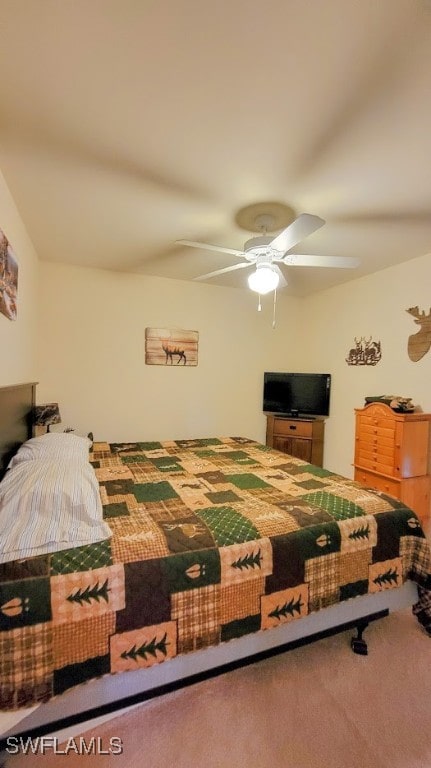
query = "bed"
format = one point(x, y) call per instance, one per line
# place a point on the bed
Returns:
point(220, 551)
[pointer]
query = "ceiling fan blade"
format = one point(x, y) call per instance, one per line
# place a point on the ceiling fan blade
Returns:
point(208, 247)
point(283, 281)
point(222, 271)
point(302, 260)
point(304, 225)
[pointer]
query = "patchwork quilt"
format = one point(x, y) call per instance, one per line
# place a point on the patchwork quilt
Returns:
point(212, 539)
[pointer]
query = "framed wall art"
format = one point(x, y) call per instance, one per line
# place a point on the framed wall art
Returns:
point(171, 346)
point(8, 278)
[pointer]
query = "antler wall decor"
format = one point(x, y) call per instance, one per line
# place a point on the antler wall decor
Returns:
point(420, 342)
point(365, 352)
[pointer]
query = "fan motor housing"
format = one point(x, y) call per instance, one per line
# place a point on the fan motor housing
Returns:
point(257, 246)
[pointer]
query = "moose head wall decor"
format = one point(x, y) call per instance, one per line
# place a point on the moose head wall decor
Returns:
point(420, 342)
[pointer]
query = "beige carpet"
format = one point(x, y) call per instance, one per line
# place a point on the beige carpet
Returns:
point(320, 706)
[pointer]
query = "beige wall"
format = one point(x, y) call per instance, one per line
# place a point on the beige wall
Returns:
point(371, 306)
point(92, 354)
point(18, 337)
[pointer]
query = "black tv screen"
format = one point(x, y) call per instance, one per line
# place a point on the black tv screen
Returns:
point(297, 394)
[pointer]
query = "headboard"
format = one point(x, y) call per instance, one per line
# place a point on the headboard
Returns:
point(16, 423)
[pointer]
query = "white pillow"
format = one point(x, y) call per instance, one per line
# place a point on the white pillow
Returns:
point(47, 506)
point(54, 445)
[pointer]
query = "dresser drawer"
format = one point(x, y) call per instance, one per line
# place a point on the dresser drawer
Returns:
point(376, 449)
point(378, 421)
point(378, 483)
point(378, 461)
point(377, 433)
point(381, 441)
point(377, 465)
point(293, 427)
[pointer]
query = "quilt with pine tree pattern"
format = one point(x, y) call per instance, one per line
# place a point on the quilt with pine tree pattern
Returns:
point(211, 540)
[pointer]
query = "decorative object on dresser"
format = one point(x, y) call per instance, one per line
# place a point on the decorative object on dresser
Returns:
point(392, 454)
point(45, 415)
point(396, 402)
point(302, 438)
point(419, 343)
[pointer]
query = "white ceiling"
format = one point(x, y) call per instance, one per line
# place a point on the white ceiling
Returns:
point(126, 125)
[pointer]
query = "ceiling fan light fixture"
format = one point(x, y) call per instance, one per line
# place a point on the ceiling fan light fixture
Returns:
point(264, 280)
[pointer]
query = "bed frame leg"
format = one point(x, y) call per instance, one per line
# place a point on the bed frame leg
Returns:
point(358, 643)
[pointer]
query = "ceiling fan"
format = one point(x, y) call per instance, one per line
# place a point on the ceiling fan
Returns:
point(267, 252)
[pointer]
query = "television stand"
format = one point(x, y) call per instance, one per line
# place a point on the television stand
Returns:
point(298, 436)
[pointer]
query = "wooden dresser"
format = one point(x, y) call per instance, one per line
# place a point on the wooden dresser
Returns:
point(392, 454)
point(301, 437)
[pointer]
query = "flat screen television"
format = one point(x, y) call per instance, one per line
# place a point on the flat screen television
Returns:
point(297, 394)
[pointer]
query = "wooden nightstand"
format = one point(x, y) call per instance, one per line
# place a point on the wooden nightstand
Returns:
point(301, 437)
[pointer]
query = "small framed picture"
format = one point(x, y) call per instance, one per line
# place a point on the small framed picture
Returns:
point(8, 278)
point(171, 346)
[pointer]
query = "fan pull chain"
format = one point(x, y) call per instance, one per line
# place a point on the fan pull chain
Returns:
point(259, 305)
point(274, 308)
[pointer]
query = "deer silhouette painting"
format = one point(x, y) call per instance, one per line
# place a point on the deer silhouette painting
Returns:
point(170, 350)
point(171, 347)
point(419, 343)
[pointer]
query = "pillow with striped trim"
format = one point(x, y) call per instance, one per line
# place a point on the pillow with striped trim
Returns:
point(53, 445)
point(47, 506)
